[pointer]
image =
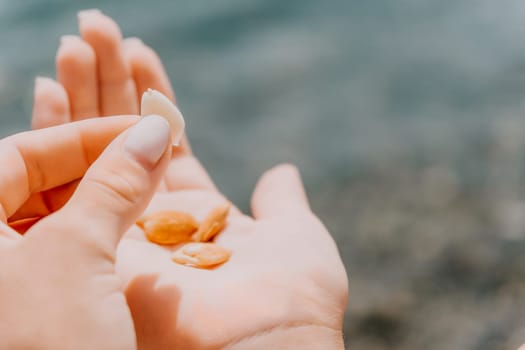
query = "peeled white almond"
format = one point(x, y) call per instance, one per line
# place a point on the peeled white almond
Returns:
point(153, 102)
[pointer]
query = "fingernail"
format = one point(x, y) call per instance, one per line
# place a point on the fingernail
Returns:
point(39, 81)
point(40, 84)
point(134, 41)
point(148, 139)
point(83, 14)
point(64, 39)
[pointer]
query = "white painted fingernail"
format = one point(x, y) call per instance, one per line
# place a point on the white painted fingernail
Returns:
point(40, 81)
point(88, 12)
point(69, 39)
point(148, 139)
point(134, 41)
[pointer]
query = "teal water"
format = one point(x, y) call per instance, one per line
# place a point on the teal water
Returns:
point(328, 85)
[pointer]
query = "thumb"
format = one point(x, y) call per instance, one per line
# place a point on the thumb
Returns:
point(279, 192)
point(117, 187)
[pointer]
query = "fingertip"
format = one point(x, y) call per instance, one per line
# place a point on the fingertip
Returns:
point(285, 169)
point(50, 103)
point(76, 71)
point(116, 89)
point(278, 176)
point(101, 32)
point(147, 68)
point(73, 50)
point(83, 13)
point(279, 191)
point(95, 23)
point(42, 84)
point(133, 41)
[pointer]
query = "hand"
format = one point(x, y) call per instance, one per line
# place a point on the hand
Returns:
point(58, 286)
point(285, 283)
point(100, 74)
point(284, 280)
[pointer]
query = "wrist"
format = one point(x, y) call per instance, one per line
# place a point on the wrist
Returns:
point(300, 337)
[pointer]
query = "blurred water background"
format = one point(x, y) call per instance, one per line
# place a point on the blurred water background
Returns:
point(406, 118)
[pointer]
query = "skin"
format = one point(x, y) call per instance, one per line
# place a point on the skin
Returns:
point(285, 285)
point(58, 286)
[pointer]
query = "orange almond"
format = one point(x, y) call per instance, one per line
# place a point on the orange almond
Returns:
point(168, 227)
point(212, 224)
point(202, 255)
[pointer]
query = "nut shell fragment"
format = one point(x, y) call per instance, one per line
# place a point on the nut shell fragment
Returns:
point(153, 102)
point(212, 224)
point(202, 255)
point(168, 227)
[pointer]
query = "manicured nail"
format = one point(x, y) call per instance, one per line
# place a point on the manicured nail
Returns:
point(86, 13)
point(39, 81)
point(148, 139)
point(134, 41)
point(43, 84)
point(68, 39)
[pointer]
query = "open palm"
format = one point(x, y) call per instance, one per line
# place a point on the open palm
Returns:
point(285, 272)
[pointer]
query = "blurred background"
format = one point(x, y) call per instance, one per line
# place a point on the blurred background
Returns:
point(406, 118)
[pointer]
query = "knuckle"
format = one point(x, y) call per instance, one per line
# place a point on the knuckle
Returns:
point(126, 188)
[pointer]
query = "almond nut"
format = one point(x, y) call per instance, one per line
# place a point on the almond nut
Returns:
point(153, 102)
point(202, 255)
point(212, 224)
point(168, 227)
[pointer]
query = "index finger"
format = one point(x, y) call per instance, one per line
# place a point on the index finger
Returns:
point(35, 161)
